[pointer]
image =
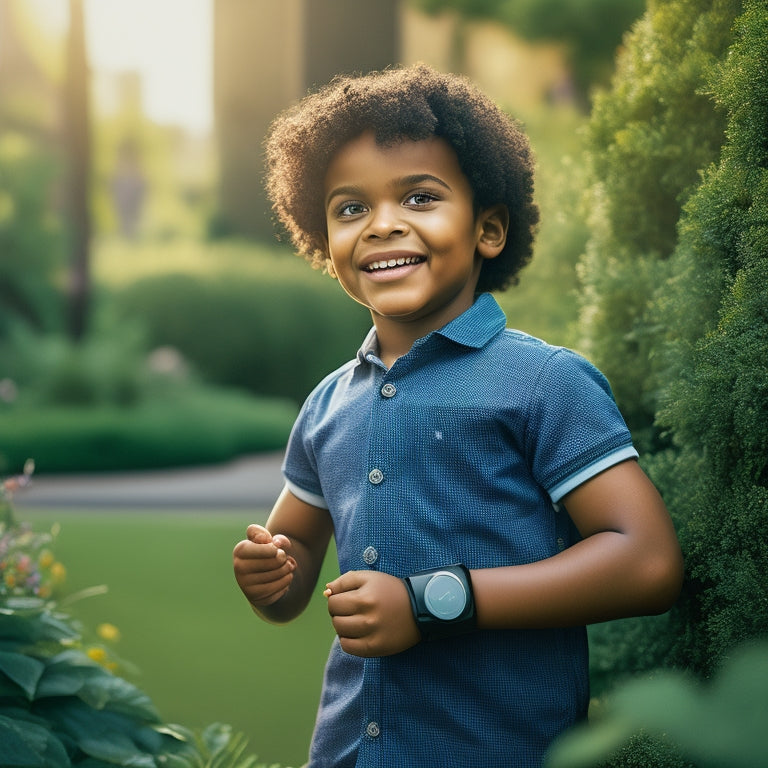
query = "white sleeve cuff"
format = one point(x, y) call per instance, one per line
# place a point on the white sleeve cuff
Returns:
point(306, 496)
point(567, 485)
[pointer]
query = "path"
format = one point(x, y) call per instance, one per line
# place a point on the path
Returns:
point(251, 482)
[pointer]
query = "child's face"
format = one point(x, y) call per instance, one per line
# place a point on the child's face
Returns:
point(403, 236)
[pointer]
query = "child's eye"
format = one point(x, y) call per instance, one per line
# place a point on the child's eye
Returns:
point(419, 199)
point(350, 209)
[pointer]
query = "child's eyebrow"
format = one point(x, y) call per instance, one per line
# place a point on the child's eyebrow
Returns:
point(404, 181)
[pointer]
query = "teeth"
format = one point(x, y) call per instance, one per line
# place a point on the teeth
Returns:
point(393, 263)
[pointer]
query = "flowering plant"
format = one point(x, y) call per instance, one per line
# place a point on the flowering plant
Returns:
point(61, 703)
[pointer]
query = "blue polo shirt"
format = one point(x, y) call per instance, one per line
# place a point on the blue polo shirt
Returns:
point(457, 453)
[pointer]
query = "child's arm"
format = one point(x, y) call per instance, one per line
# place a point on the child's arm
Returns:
point(628, 563)
point(277, 566)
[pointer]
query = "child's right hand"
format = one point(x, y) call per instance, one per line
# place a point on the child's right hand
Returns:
point(263, 567)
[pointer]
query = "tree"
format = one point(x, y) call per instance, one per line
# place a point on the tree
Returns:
point(78, 144)
point(590, 29)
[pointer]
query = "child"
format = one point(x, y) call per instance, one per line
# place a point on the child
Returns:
point(481, 485)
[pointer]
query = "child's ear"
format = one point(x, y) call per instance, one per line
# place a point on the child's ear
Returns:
point(493, 224)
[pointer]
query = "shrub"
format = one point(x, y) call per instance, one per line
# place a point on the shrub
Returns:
point(648, 139)
point(671, 718)
point(61, 702)
point(270, 334)
point(31, 243)
point(182, 428)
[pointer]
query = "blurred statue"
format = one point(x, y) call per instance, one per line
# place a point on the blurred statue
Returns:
point(128, 189)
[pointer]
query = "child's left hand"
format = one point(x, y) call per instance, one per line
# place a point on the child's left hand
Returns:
point(371, 613)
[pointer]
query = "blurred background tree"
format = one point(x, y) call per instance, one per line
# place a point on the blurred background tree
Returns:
point(589, 30)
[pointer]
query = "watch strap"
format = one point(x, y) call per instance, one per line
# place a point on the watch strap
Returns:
point(431, 626)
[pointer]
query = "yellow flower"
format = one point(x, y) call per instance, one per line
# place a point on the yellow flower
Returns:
point(10, 580)
point(97, 654)
point(46, 558)
point(58, 572)
point(108, 632)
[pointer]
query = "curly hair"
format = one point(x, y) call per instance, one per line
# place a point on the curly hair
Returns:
point(403, 103)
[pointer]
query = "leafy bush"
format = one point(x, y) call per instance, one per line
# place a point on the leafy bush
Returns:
point(105, 404)
point(717, 379)
point(719, 724)
point(270, 334)
point(649, 137)
point(692, 349)
point(183, 428)
point(31, 242)
point(61, 702)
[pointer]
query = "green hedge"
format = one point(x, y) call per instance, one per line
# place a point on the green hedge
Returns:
point(270, 334)
point(193, 426)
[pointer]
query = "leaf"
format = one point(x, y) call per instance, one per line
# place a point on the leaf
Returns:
point(27, 745)
point(23, 670)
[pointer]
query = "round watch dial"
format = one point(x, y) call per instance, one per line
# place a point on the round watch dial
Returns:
point(445, 596)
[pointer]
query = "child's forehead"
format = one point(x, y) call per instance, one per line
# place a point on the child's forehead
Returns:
point(358, 153)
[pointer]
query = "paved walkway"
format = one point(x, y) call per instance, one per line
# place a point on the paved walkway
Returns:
point(252, 482)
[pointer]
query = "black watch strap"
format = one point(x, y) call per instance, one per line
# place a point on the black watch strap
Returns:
point(430, 619)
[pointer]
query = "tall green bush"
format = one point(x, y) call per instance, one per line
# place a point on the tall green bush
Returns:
point(705, 321)
point(648, 139)
point(676, 310)
point(717, 377)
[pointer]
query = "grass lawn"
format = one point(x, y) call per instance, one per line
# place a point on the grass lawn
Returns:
point(198, 650)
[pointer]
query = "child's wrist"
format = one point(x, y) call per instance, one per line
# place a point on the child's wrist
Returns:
point(442, 601)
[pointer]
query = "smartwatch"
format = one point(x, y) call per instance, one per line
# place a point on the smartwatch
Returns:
point(442, 601)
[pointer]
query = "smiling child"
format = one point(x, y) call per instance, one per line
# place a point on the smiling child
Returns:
point(481, 485)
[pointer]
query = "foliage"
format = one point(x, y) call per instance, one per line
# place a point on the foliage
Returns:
point(61, 704)
point(544, 303)
point(649, 136)
point(270, 335)
point(182, 427)
point(30, 238)
point(716, 395)
point(720, 724)
point(677, 310)
point(592, 44)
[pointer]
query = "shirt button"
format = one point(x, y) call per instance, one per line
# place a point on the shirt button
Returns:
point(388, 390)
point(370, 555)
point(375, 476)
point(372, 729)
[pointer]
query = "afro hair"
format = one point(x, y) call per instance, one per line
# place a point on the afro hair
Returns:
point(403, 103)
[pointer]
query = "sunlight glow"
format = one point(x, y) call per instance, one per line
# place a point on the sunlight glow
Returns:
point(169, 43)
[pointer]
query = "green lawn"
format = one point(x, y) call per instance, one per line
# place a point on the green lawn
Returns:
point(199, 651)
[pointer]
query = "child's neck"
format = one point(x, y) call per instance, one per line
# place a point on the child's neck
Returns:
point(396, 339)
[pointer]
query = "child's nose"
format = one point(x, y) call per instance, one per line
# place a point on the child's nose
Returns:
point(386, 221)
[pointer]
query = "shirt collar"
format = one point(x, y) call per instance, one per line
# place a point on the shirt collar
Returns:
point(473, 328)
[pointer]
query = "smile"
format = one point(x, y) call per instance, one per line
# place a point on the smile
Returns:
point(391, 263)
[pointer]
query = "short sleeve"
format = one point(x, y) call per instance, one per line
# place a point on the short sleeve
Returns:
point(299, 466)
point(576, 430)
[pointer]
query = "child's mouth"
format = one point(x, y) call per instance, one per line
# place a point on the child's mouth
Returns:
point(401, 261)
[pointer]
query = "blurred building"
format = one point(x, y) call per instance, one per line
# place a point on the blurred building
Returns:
point(266, 55)
point(29, 95)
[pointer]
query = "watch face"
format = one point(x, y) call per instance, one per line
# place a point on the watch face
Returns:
point(445, 596)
